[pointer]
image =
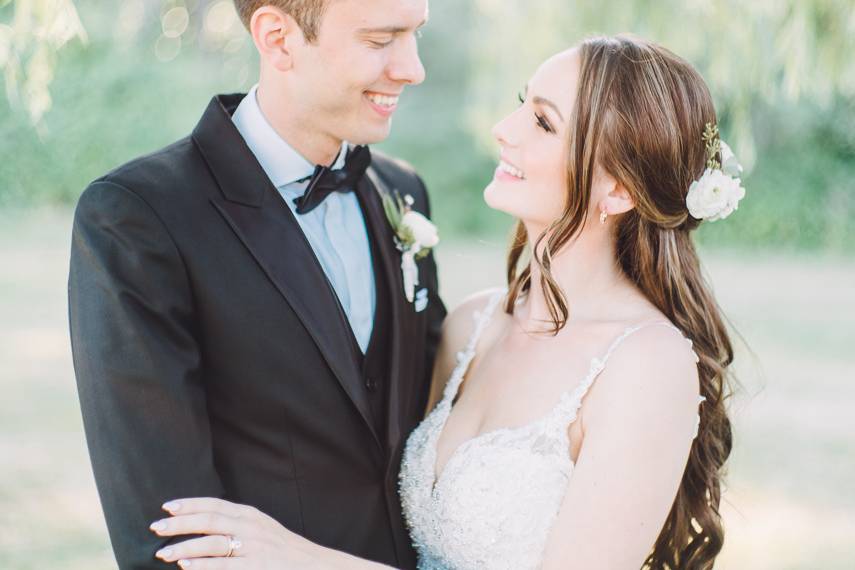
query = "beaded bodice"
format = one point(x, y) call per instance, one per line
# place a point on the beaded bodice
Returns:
point(494, 501)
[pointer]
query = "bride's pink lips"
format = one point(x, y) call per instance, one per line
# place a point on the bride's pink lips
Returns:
point(504, 176)
point(500, 174)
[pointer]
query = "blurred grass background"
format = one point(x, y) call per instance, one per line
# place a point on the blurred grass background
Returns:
point(89, 89)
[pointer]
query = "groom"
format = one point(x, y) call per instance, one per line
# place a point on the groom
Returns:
point(239, 337)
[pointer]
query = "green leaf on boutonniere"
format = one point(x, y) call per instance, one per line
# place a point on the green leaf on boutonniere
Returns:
point(395, 209)
point(393, 214)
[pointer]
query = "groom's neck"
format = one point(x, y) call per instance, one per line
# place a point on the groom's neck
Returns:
point(298, 131)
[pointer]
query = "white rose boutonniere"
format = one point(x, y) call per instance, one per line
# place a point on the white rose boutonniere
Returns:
point(415, 235)
point(716, 194)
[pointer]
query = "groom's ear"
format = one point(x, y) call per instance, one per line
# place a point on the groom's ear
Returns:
point(276, 35)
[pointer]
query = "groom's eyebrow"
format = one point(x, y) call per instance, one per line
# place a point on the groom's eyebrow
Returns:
point(389, 29)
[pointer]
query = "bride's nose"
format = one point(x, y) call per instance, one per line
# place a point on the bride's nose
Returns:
point(502, 133)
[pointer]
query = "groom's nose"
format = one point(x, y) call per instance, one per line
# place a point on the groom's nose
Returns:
point(405, 66)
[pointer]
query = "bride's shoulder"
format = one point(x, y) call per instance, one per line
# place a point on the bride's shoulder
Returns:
point(653, 368)
point(648, 392)
point(457, 329)
point(461, 321)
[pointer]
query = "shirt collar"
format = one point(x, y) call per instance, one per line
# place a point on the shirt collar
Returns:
point(279, 160)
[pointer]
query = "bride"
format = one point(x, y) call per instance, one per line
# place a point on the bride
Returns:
point(576, 417)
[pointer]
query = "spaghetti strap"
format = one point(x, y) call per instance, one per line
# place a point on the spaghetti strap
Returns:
point(571, 400)
point(630, 330)
point(464, 357)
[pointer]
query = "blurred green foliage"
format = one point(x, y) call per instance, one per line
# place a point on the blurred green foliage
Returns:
point(37, 29)
point(780, 71)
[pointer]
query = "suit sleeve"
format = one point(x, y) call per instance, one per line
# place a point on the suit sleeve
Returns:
point(137, 365)
point(435, 310)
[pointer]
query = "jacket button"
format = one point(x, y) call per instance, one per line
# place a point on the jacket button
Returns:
point(371, 383)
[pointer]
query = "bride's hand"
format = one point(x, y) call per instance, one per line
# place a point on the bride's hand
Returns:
point(236, 536)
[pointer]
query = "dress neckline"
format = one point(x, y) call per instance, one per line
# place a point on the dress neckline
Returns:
point(571, 397)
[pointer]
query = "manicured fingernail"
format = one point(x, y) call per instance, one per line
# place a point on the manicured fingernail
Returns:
point(164, 553)
point(158, 525)
point(172, 506)
point(184, 563)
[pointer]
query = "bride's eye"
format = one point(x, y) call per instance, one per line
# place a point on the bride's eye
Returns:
point(541, 122)
point(521, 98)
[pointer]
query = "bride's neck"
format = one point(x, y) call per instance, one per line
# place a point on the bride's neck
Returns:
point(588, 274)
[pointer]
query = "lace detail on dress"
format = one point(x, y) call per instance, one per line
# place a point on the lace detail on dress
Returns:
point(496, 498)
point(465, 356)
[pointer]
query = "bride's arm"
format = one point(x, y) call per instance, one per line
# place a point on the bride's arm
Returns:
point(240, 536)
point(638, 424)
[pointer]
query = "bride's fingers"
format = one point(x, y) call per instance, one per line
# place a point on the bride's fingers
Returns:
point(201, 523)
point(214, 564)
point(205, 505)
point(215, 545)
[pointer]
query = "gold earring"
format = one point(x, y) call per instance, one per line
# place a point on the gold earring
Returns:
point(603, 216)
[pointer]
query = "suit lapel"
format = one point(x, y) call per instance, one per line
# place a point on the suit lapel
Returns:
point(371, 187)
point(260, 218)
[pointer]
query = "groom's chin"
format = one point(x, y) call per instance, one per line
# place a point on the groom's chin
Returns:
point(373, 134)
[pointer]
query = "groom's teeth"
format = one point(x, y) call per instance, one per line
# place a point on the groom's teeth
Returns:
point(513, 171)
point(383, 100)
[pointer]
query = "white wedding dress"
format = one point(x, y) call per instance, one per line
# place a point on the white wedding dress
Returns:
point(497, 497)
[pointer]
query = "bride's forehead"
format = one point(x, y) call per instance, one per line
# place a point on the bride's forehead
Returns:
point(561, 66)
point(557, 77)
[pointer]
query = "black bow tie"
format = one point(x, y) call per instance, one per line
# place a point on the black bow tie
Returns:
point(325, 181)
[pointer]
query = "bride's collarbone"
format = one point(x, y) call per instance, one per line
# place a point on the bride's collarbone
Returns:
point(511, 390)
point(501, 397)
point(516, 378)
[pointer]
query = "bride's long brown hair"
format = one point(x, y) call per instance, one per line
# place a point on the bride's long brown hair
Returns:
point(640, 114)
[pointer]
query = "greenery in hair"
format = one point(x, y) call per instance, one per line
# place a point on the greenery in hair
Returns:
point(713, 146)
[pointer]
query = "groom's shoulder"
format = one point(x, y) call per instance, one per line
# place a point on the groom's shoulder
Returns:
point(162, 176)
point(396, 171)
point(170, 164)
point(393, 164)
point(401, 176)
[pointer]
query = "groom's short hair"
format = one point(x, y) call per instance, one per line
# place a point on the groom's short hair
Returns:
point(307, 13)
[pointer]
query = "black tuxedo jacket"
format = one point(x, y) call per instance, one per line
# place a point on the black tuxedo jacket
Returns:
point(213, 358)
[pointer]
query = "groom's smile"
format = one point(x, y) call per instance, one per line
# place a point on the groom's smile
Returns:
point(343, 80)
point(383, 104)
point(368, 49)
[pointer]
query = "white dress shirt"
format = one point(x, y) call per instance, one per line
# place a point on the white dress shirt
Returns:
point(335, 229)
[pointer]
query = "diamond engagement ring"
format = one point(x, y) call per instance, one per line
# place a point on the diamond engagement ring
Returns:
point(234, 544)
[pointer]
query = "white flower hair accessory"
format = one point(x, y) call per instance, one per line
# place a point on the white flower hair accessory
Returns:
point(415, 235)
point(716, 194)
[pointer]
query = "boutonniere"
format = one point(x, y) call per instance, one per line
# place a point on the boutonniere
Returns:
point(415, 235)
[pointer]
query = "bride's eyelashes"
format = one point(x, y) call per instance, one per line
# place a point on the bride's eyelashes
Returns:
point(541, 120)
point(543, 123)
